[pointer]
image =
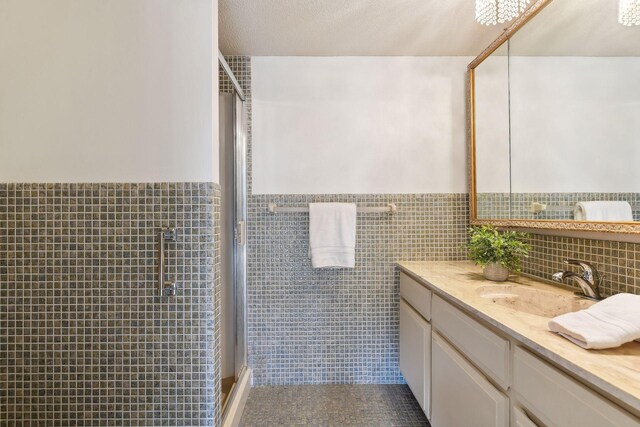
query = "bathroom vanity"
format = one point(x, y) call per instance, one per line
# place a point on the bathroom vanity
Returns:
point(534, 94)
point(477, 353)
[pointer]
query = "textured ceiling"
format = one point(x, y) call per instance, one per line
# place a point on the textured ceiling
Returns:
point(352, 27)
point(415, 27)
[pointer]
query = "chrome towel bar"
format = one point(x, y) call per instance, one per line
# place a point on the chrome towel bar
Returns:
point(390, 209)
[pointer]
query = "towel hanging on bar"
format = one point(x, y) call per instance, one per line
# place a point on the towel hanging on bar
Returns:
point(332, 235)
point(390, 209)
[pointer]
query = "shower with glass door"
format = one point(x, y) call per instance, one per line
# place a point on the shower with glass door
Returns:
point(235, 376)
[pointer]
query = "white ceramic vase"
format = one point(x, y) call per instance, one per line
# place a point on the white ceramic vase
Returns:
point(496, 272)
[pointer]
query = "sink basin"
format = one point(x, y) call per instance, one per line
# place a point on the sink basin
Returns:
point(533, 301)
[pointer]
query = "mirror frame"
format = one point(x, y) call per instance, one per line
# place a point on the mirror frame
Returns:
point(542, 225)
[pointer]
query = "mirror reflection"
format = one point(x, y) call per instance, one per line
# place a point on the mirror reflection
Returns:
point(557, 118)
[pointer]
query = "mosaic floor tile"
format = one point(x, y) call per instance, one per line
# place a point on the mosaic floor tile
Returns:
point(343, 405)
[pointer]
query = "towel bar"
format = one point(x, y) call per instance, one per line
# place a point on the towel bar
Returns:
point(537, 207)
point(390, 209)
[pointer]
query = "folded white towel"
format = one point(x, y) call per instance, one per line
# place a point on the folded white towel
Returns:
point(332, 235)
point(607, 324)
point(603, 211)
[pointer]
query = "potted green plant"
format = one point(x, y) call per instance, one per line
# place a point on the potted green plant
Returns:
point(497, 252)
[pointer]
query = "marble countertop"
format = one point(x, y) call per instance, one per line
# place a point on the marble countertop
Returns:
point(614, 372)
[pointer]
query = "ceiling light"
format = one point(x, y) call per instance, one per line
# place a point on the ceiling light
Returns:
point(492, 12)
point(629, 12)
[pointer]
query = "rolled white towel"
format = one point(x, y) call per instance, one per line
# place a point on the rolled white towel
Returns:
point(603, 211)
point(607, 324)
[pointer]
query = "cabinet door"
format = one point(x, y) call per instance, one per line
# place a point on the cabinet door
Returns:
point(558, 400)
point(415, 354)
point(520, 419)
point(461, 395)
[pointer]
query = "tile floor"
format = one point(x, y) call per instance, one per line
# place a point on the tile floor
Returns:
point(333, 405)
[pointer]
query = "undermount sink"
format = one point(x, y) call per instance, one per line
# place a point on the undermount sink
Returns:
point(533, 301)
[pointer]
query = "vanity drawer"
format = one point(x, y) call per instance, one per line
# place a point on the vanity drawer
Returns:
point(558, 400)
point(489, 351)
point(415, 294)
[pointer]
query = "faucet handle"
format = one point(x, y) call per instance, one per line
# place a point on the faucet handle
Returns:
point(590, 272)
point(586, 266)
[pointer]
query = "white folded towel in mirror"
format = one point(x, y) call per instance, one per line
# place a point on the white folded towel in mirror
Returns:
point(606, 324)
point(332, 235)
point(603, 211)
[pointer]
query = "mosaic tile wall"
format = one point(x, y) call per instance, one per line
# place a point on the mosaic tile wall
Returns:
point(85, 339)
point(311, 326)
point(316, 326)
point(619, 262)
point(518, 205)
point(217, 284)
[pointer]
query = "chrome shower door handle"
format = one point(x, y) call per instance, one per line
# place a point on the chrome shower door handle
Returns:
point(167, 288)
point(241, 232)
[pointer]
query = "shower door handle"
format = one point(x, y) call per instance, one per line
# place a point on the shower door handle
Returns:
point(241, 233)
point(168, 287)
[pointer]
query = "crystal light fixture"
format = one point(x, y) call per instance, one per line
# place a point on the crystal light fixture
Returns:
point(629, 12)
point(492, 12)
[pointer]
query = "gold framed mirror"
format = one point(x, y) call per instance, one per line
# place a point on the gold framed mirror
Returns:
point(554, 122)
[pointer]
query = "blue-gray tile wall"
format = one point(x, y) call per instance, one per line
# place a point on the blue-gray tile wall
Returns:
point(84, 338)
point(518, 205)
point(309, 326)
point(619, 262)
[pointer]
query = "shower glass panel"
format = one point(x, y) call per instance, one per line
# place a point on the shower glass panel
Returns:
point(233, 239)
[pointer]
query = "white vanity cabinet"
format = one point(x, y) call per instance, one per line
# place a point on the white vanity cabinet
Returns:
point(465, 371)
point(415, 340)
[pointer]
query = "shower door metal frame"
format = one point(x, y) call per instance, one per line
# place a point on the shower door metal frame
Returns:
point(240, 231)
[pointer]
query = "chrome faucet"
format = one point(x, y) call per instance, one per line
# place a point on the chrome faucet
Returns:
point(589, 281)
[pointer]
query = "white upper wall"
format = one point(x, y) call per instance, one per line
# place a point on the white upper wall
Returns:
point(359, 125)
point(118, 90)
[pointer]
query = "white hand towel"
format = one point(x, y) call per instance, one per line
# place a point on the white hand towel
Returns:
point(332, 235)
point(607, 324)
point(603, 211)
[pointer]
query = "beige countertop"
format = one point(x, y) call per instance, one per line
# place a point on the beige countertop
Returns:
point(614, 372)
